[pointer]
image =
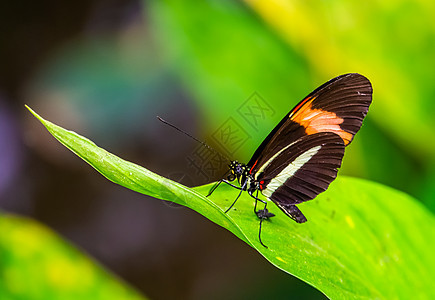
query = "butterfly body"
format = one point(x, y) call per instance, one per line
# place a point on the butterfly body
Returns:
point(300, 157)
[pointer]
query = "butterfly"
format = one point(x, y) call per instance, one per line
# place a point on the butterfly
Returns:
point(300, 157)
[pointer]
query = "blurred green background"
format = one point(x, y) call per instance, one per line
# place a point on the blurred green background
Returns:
point(106, 69)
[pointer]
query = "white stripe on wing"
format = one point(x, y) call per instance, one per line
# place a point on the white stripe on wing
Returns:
point(289, 171)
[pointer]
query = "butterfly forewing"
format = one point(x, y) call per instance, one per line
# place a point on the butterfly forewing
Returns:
point(301, 170)
point(338, 106)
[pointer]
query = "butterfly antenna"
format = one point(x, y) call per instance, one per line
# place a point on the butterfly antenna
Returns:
point(192, 137)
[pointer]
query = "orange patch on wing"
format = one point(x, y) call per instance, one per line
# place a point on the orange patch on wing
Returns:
point(317, 120)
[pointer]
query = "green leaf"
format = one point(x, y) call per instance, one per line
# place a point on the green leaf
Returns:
point(362, 239)
point(37, 264)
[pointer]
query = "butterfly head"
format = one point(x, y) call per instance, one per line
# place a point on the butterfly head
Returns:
point(237, 170)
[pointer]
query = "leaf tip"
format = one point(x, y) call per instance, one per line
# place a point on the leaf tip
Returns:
point(35, 114)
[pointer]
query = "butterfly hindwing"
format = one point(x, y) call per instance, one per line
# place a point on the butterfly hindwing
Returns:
point(338, 106)
point(301, 171)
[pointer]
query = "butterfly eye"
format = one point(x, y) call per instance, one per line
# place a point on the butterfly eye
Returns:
point(231, 177)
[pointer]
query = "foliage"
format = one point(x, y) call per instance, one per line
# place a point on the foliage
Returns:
point(362, 240)
point(36, 264)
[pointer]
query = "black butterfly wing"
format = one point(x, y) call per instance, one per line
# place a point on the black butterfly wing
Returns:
point(338, 106)
point(301, 171)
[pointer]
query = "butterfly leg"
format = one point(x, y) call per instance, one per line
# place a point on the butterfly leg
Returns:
point(227, 182)
point(220, 181)
point(230, 184)
point(237, 187)
point(262, 214)
point(234, 186)
point(214, 187)
point(255, 206)
point(257, 199)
